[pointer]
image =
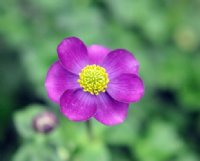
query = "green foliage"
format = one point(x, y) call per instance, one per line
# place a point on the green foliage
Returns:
point(94, 151)
point(23, 120)
point(31, 152)
point(160, 143)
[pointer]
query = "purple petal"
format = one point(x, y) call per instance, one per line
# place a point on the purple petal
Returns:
point(126, 88)
point(77, 105)
point(97, 53)
point(120, 61)
point(109, 111)
point(58, 80)
point(72, 53)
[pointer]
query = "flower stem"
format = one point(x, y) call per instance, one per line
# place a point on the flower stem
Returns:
point(89, 129)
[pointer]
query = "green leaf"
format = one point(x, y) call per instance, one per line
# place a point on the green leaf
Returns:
point(126, 133)
point(160, 142)
point(41, 152)
point(94, 151)
point(23, 120)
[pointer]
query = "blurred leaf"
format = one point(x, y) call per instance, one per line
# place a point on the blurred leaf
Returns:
point(40, 152)
point(159, 143)
point(93, 151)
point(128, 132)
point(23, 120)
point(187, 155)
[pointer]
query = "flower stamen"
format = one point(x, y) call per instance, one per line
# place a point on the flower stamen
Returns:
point(93, 79)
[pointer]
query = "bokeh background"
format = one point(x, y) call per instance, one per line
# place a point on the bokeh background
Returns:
point(164, 36)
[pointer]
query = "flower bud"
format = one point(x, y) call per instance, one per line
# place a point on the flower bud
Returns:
point(45, 122)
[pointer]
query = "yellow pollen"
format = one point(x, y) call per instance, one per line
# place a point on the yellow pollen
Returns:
point(93, 79)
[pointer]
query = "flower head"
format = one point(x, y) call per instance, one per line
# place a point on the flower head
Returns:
point(94, 82)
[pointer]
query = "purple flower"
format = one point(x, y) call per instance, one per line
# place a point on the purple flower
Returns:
point(94, 82)
point(45, 122)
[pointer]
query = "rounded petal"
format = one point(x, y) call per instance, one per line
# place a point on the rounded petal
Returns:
point(78, 105)
point(120, 61)
point(72, 53)
point(97, 53)
point(109, 111)
point(58, 80)
point(126, 88)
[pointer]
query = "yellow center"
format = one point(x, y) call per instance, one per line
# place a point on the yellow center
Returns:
point(93, 79)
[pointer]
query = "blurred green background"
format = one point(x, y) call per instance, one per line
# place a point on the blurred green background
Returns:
point(164, 36)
